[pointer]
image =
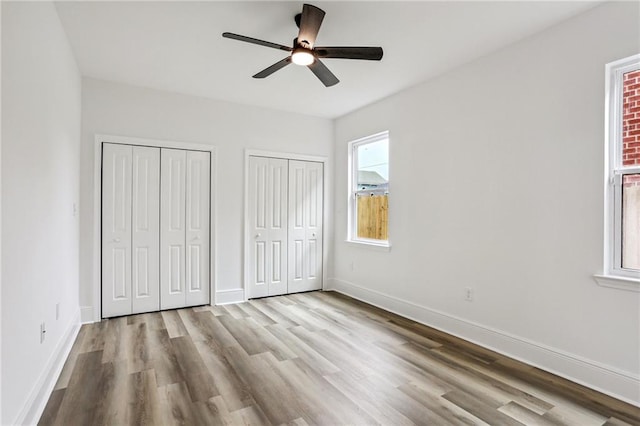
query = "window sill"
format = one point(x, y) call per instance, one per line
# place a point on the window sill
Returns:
point(370, 245)
point(618, 282)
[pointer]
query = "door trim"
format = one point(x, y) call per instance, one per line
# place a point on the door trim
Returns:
point(325, 208)
point(99, 139)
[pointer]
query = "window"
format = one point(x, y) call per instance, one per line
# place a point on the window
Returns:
point(622, 251)
point(369, 190)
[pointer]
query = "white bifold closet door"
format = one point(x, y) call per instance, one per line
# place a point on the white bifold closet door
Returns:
point(305, 226)
point(267, 275)
point(184, 234)
point(130, 229)
point(155, 229)
point(284, 214)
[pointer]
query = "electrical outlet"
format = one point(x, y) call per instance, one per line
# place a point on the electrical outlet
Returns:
point(57, 311)
point(468, 294)
point(43, 330)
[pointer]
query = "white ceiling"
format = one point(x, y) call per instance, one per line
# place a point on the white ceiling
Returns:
point(177, 46)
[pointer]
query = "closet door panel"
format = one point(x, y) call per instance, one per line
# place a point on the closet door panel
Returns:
point(277, 220)
point(172, 228)
point(267, 204)
point(305, 225)
point(257, 227)
point(314, 209)
point(116, 230)
point(197, 228)
point(146, 229)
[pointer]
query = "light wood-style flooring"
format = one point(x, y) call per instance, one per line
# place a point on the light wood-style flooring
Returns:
point(312, 358)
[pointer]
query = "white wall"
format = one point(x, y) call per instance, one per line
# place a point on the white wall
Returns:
point(497, 184)
point(0, 221)
point(40, 183)
point(116, 109)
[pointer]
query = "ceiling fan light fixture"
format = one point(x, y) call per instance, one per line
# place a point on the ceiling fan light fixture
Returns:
point(302, 57)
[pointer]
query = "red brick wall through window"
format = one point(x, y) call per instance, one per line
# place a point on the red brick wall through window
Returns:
point(631, 119)
point(631, 124)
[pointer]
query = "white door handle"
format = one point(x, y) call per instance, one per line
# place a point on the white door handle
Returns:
point(257, 235)
point(116, 240)
point(195, 238)
point(313, 235)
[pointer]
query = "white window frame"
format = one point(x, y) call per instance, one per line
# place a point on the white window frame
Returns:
point(614, 275)
point(352, 225)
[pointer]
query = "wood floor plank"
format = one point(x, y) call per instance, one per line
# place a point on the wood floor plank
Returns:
point(524, 415)
point(176, 405)
point(270, 391)
point(114, 344)
point(235, 312)
point(144, 404)
point(368, 399)
point(82, 395)
point(67, 369)
point(302, 350)
point(233, 390)
point(256, 314)
point(174, 324)
point(138, 347)
point(94, 337)
point(242, 333)
point(211, 412)
point(305, 359)
point(332, 351)
point(153, 320)
point(612, 421)
point(446, 410)
point(163, 358)
point(51, 409)
point(414, 410)
point(199, 325)
point(199, 382)
point(275, 315)
point(322, 402)
point(479, 408)
point(249, 416)
point(464, 363)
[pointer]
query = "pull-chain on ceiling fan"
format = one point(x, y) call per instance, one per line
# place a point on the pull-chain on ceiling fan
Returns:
point(305, 53)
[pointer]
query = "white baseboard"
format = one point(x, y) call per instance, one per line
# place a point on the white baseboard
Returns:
point(225, 297)
point(86, 314)
point(609, 380)
point(39, 395)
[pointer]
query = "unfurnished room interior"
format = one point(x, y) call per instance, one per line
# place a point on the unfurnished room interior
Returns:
point(326, 213)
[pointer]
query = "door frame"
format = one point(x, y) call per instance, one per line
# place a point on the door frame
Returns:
point(99, 139)
point(325, 207)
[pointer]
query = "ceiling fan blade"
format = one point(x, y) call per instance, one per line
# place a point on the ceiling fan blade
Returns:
point(366, 53)
point(322, 72)
point(310, 22)
point(256, 41)
point(273, 68)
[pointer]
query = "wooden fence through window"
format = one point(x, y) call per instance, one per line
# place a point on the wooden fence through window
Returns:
point(373, 216)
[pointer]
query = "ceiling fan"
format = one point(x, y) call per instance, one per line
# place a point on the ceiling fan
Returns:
point(305, 53)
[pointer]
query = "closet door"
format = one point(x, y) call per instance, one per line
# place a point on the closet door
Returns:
point(197, 227)
point(145, 261)
point(305, 225)
point(116, 230)
point(172, 228)
point(267, 228)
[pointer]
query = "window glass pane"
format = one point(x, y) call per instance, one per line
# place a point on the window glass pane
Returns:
point(373, 216)
point(631, 221)
point(373, 165)
point(631, 118)
point(372, 190)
